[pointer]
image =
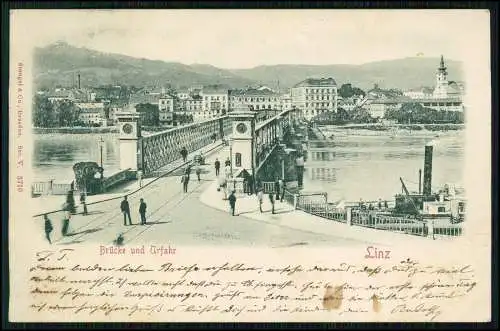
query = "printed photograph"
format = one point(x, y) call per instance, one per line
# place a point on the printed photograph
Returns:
point(249, 166)
point(295, 133)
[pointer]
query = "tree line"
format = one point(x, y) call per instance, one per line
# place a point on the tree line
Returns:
point(47, 114)
point(418, 114)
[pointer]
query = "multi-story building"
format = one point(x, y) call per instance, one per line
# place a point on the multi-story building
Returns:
point(166, 107)
point(183, 94)
point(194, 107)
point(377, 108)
point(91, 113)
point(286, 101)
point(419, 93)
point(215, 101)
point(315, 96)
point(60, 94)
point(256, 99)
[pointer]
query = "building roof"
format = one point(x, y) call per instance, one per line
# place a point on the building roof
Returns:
point(144, 98)
point(90, 105)
point(317, 82)
point(214, 90)
point(434, 100)
point(60, 94)
point(423, 89)
point(236, 92)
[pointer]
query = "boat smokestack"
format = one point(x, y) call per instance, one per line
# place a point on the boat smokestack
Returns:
point(428, 169)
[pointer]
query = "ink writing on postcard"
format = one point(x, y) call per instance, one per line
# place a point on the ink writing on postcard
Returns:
point(247, 166)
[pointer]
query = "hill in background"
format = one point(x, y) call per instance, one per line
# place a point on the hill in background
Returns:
point(58, 64)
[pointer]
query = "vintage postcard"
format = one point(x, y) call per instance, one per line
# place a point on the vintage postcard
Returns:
point(250, 166)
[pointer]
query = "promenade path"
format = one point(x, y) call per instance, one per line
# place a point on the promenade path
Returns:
point(178, 218)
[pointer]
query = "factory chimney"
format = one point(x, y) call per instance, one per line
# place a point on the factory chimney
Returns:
point(428, 169)
point(79, 86)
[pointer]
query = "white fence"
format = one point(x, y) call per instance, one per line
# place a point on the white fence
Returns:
point(50, 188)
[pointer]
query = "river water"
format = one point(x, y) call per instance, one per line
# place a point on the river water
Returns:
point(356, 164)
point(368, 164)
point(55, 154)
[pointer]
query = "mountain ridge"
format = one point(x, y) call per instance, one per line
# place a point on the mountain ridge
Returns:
point(59, 63)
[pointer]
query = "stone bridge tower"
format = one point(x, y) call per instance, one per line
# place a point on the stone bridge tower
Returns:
point(242, 142)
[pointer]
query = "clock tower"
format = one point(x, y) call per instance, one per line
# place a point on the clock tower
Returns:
point(242, 139)
point(130, 134)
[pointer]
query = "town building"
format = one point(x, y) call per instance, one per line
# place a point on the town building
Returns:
point(315, 96)
point(286, 101)
point(419, 93)
point(183, 94)
point(166, 107)
point(194, 106)
point(377, 108)
point(113, 110)
point(91, 113)
point(215, 101)
point(256, 99)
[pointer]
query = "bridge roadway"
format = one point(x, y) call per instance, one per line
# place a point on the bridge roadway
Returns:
point(178, 218)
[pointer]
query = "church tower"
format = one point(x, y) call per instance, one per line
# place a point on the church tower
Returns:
point(441, 89)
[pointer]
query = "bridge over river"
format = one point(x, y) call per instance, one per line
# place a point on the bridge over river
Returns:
point(259, 149)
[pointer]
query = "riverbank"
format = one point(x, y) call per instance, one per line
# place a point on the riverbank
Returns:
point(76, 130)
point(391, 127)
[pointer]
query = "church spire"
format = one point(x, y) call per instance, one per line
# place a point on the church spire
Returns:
point(441, 64)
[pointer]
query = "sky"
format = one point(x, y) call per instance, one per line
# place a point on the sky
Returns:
point(248, 38)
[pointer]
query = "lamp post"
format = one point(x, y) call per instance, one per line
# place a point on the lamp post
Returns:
point(231, 155)
point(101, 143)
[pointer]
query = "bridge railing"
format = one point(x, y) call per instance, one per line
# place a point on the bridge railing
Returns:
point(317, 204)
point(162, 148)
point(402, 224)
point(49, 188)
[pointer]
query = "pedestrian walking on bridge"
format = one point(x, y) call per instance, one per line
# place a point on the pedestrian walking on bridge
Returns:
point(271, 199)
point(67, 216)
point(260, 198)
point(184, 154)
point(185, 182)
point(142, 211)
point(125, 208)
point(83, 202)
point(232, 202)
point(48, 227)
point(139, 177)
point(217, 167)
point(198, 173)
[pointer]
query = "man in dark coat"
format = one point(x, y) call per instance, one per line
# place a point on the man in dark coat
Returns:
point(125, 208)
point(185, 182)
point(48, 228)
point(217, 167)
point(271, 199)
point(83, 202)
point(232, 202)
point(184, 154)
point(142, 211)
